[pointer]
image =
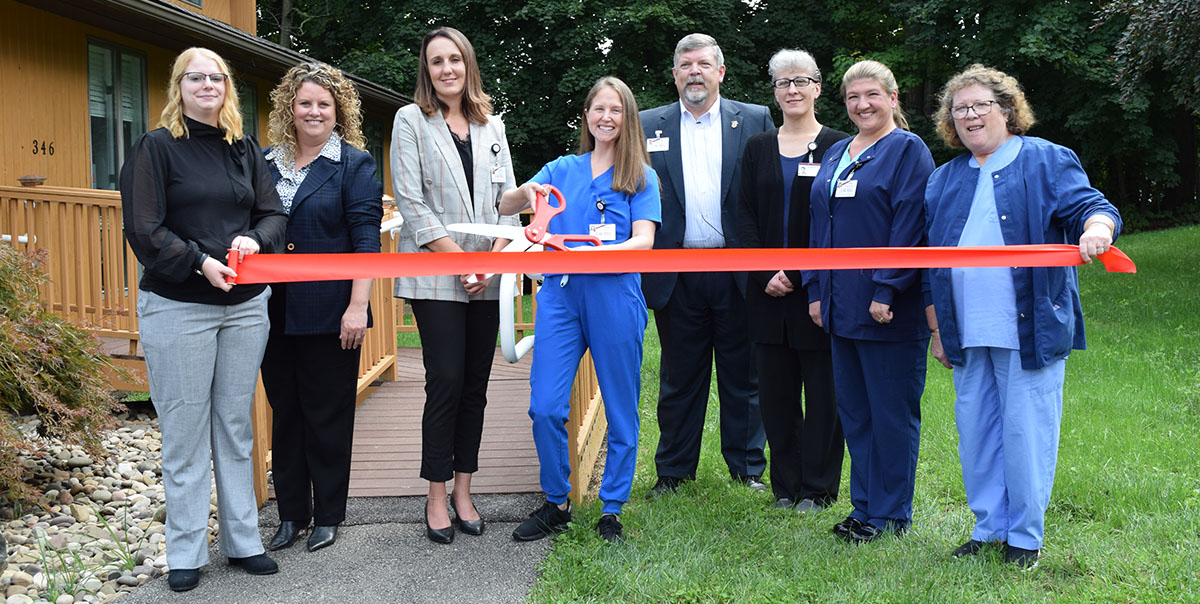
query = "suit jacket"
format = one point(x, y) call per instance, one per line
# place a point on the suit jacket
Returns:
point(739, 121)
point(431, 192)
point(337, 210)
point(761, 224)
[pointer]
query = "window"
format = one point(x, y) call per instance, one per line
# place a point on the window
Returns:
point(117, 108)
point(195, 3)
point(374, 133)
point(248, 99)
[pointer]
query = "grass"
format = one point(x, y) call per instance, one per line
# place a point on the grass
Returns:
point(1122, 524)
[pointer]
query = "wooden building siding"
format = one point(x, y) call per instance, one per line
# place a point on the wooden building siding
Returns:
point(44, 72)
point(241, 14)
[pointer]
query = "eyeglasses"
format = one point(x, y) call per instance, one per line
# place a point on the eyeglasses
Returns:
point(195, 77)
point(799, 81)
point(981, 109)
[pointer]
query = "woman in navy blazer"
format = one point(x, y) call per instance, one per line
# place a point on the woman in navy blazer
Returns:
point(869, 192)
point(310, 370)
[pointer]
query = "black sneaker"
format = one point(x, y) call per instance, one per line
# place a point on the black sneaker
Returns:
point(845, 527)
point(609, 528)
point(543, 522)
point(783, 503)
point(969, 548)
point(664, 486)
point(1027, 559)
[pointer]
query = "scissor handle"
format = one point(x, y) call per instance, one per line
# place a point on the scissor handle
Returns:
point(539, 227)
point(557, 241)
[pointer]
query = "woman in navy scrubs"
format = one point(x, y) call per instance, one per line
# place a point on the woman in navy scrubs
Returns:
point(869, 192)
point(611, 192)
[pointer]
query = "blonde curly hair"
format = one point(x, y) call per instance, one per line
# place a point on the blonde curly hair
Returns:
point(1011, 98)
point(229, 118)
point(282, 126)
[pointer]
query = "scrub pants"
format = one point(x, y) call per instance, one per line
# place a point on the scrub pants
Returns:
point(1008, 423)
point(606, 314)
point(879, 387)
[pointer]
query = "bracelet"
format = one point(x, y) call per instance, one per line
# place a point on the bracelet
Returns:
point(199, 265)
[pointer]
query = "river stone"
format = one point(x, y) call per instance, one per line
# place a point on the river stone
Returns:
point(127, 580)
point(62, 521)
point(65, 599)
point(118, 496)
point(22, 578)
point(102, 496)
point(19, 599)
point(81, 461)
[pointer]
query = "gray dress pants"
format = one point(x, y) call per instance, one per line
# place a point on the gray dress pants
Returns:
point(202, 361)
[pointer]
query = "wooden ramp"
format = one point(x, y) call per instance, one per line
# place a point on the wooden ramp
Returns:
point(387, 434)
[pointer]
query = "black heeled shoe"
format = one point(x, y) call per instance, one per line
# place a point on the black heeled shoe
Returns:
point(322, 536)
point(445, 535)
point(470, 527)
point(289, 531)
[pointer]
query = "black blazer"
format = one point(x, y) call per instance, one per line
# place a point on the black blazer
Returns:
point(761, 226)
point(337, 210)
point(739, 121)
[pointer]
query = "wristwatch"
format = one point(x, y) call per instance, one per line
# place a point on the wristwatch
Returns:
point(199, 265)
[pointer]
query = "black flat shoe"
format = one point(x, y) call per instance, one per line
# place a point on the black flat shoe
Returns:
point(470, 527)
point(970, 548)
point(261, 564)
point(445, 535)
point(289, 531)
point(322, 536)
point(183, 579)
point(664, 486)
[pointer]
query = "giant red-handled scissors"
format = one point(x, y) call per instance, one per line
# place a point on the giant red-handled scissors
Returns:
point(534, 237)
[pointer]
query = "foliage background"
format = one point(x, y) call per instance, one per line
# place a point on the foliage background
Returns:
point(1112, 80)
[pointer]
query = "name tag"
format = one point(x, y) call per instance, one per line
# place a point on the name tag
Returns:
point(808, 170)
point(846, 188)
point(604, 232)
point(657, 144)
point(498, 175)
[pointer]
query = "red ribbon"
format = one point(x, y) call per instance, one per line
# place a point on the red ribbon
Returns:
point(280, 268)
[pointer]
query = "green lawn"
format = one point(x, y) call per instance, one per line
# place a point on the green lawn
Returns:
point(1123, 524)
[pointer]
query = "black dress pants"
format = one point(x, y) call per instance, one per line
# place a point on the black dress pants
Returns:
point(805, 438)
point(705, 322)
point(458, 343)
point(312, 386)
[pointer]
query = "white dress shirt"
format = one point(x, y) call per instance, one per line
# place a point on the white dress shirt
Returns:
point(700, 149)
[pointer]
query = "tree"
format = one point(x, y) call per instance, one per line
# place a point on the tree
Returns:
point(539, 59)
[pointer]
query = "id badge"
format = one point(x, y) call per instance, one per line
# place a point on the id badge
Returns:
point(808, 170)
point(603, 231)
point(498, 175)
point(846, 188)
point(657, 143)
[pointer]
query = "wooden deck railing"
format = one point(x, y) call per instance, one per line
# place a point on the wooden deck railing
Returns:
point(93, 278)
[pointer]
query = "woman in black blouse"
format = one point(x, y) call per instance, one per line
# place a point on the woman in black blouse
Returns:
point(790, 351)
point(190, 190)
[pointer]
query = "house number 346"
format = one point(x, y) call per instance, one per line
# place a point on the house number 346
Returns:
point(43, 147)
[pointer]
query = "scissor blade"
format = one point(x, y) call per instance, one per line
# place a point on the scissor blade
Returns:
point(489, 230)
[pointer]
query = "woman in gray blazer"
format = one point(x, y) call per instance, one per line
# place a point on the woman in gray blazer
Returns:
point(450, 163)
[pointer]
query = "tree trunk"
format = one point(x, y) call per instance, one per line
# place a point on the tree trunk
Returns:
point(1185, 140)
point(285, 23)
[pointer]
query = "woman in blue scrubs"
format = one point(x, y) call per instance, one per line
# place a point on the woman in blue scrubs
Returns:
point(611, 192)
point(1007, 331)
point(869, 192)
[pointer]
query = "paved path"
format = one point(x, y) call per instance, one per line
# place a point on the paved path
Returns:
point(382, 556)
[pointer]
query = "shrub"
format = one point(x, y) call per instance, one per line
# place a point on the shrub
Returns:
point(49, 367)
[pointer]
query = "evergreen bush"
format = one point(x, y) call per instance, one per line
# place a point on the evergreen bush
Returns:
point(49, 367)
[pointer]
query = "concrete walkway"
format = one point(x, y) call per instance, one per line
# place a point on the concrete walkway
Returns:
point(382, 556)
